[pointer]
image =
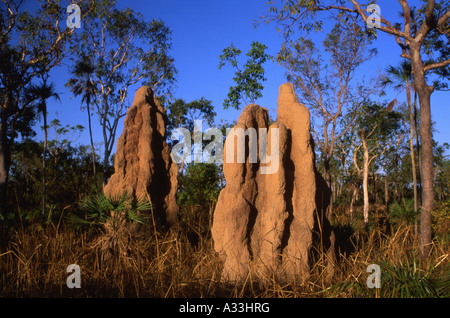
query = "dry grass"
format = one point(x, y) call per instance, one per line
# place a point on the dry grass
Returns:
point(33, 262)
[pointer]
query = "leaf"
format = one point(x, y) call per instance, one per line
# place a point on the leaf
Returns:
point(76, 221)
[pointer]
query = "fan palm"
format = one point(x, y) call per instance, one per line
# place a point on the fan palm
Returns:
point(82, 84)
point(41, 93)
point(400, 78)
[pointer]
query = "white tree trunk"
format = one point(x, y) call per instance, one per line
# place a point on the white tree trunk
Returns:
point(365, 181)
point(352, 202)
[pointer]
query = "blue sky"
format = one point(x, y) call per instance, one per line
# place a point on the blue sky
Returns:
point(201, 30)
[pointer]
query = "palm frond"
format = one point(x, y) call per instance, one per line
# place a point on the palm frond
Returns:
point(119, 202)
point(76, 221)
point(408, 280)
point(403, 211)
point(100, 208)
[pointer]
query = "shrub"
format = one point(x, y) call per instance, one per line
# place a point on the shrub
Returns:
point(441, 220)
point(403, 212)
point(102, 209)
point(409, 280)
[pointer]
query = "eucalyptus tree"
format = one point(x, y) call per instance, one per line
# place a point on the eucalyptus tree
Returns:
point(334, 88)
point(423, 38)
point(31, 43)
point(249, 77)
point(379, 129)
point(185, 115)
point(125, 49)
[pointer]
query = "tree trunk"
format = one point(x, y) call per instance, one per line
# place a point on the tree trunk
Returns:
point(92, 142)
point(411, 143)
point(386, 193)
point(335, 191)
point(4, 168)
point(44, 186)
point(427, 174)
point(4, 161)
point(329, 183)
point(105, 168)
point(106, 152)
point(375, 188)
point(424, 92)
point(416, 132)
point(365, 180)
point(411, 148)
point(352, 202)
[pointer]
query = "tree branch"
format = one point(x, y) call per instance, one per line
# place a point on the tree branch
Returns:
point(407, 16)
point(436, 65)
point(443, 19)
point(11, 20)
point(387, 29)
point(429, 12)
point(427, 25)
point(355, 160)
point(403, 46)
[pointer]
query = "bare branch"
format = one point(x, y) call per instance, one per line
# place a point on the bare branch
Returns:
point(403, 46)
point(11, 21)
point(407, 16)
point(429, 12)
point(427, 25)
point(355, 160)
point(436, 65)
point(443, 19)
point(387, 29)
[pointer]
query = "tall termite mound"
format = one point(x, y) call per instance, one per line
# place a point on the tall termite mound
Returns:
point(143, 165)
point(272, 220)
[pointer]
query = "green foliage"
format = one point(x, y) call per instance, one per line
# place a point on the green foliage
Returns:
point(82, 83)
point(30, 46)
point(319, 74)
point(199, 185)
point(348, 46)
point(436, 46)
point(398, 76)
point(182, 114)
point(376, 118)
point(399, 279)
point(302, 12)
point(134, 49)
point(441, 220)
point(24, 60)
point(404, 211)
point(99, 209)
point(383, 131)
point(198, 193)
point(41, 93)
point(124, 49)
point(249, 79)
point(409, 280)
point(68, 177)
point(442, 171)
